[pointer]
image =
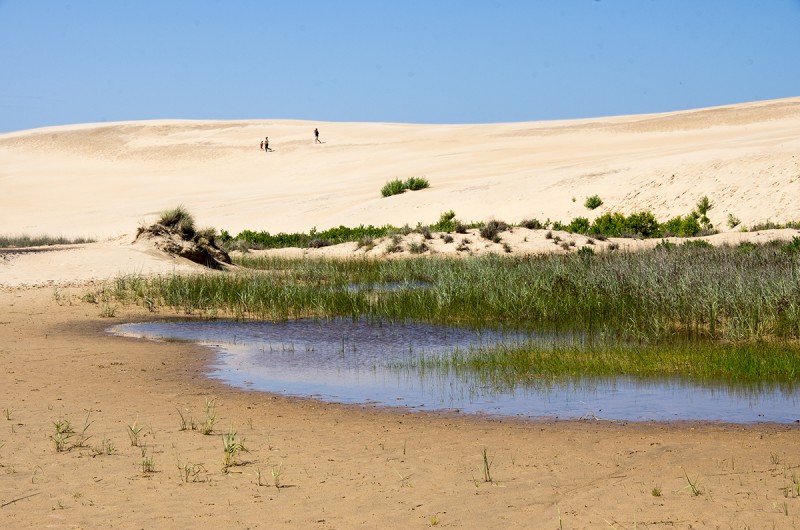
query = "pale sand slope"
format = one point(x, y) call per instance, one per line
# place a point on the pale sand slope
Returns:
point(344, 467)
point(101, 180)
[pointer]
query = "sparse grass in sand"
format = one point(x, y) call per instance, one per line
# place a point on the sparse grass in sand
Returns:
point(232, 446)
point(26, 241)
point(207, 427)
point(65, 437)
point(147, 464)
point(134, 432)
point(487, 466)
point(277, 475)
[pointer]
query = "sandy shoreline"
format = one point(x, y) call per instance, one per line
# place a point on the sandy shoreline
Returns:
point(344, 466)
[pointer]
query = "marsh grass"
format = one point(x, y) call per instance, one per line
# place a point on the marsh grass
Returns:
point(723, 311)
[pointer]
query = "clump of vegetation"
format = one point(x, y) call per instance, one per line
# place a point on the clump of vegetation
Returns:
point(701, 213)
point(65, 437)
point(416, 183)
point(417, 247)
point(793, 247)
point(178, 218)
point(593, 202)
point(232, 446)
point(397, 186)
point(733, 221)
point(532, 224)
point(446, 223)
point(393, 187)
point(492, 229)
point(175, 233)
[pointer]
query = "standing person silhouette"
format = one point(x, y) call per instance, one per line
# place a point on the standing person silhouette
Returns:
point(266, 145)
point(316, 136)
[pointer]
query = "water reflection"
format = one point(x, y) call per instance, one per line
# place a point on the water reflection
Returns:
point(351, 361)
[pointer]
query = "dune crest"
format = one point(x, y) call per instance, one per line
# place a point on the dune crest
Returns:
point(99, 180)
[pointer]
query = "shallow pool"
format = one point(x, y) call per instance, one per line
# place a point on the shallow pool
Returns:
point(350, 361)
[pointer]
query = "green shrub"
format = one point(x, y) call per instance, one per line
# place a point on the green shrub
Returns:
point(681, 227)
point(491, 229)
point(532, 224)
point(416, 183)
point(643, 224)
point(609, 224)
point(593, 202)
point(397, 186)
point(701, 211)
point(733, 221)
point(446, 223)
point(393, 187)
point(579, 225)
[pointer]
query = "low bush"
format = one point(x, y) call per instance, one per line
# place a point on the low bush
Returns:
point(393, 187)
point(397, 186)
point(593, 202)
point(492, 229)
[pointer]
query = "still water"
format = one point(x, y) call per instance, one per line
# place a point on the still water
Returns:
point(357, 362)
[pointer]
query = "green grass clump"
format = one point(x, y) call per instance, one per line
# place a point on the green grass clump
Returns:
point(397, 186)
point(416, 183)
point(593, 202)
point(393, 187)
point(178, 218)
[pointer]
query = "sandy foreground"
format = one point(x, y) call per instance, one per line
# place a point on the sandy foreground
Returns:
point(341, 466)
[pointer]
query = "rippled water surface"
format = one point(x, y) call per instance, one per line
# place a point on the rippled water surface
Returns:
point(357, 362)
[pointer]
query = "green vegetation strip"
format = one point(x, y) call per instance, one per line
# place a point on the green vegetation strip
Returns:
point(746, 296)
point(25, 241)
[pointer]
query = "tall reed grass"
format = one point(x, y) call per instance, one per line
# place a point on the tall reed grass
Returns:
point(732, 293)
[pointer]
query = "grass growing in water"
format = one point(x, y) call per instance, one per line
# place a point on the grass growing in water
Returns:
point(743, 301)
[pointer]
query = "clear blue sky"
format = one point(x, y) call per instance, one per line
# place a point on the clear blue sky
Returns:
point(419, 61)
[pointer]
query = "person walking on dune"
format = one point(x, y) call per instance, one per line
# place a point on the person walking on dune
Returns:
point(261, 145)
point(316, 136)
point(266, 145)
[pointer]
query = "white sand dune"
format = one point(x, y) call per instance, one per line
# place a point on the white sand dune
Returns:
point(102, 180)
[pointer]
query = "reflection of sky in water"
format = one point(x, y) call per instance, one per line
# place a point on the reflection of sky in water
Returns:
point(346, 361)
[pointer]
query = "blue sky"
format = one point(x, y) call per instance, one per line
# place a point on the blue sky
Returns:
point(417, 61)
